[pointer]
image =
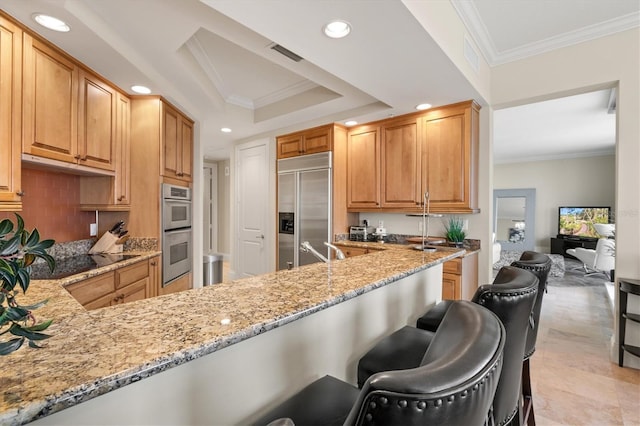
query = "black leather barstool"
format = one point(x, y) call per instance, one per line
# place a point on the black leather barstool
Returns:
point(454, 384)
point(511, 298)
point(540, 265)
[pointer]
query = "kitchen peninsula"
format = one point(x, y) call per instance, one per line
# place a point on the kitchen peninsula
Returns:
point(225, 353)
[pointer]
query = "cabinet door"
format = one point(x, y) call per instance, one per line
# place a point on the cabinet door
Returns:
point(289, 145)
point(92, 288)
point(102, 302)
point(97, 103)
point(50, 102)
point(155, 276)
point(449, 160)
point(363, 171)
point(355, 251)
point(130, 274)
point(185, 171)
point(170, 141)
point(133, 292)
point(123, 151)
point(400, 153)
point(10, 115)
point(450, 287)
point(317, 140)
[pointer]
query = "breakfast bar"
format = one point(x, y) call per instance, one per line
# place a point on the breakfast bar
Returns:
point(222, 354)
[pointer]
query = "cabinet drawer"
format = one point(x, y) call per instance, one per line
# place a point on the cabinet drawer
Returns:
point(93, 288)
point(131, 274)
point(453, 266)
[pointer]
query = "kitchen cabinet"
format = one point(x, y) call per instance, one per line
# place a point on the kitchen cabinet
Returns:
point(450, 158)
point(310, 141)
point(155, 276)
point(392, 163)
point(400, 161)
point(69, 113)
point(112, 193)
point(122, 285)
point(50, 102)
point(363, 172)
point(177, 144)
point(10, 116)
point(179, 284)
point(460, 277)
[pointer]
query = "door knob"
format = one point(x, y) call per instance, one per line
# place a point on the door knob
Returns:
point(261, 237)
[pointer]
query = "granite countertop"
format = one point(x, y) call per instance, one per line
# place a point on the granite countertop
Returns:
point(372, 245)
point(94, 352)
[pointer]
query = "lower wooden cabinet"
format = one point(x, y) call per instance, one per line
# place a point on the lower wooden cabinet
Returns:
point(179, 284)
point(123, 285)
point(460, 278)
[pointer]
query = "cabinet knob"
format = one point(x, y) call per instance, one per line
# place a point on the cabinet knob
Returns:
point(120, 198)
point(20, 193)
point(77, 157)
point(152, 263)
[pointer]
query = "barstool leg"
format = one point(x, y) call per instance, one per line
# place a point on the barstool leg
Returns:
point(528, 417)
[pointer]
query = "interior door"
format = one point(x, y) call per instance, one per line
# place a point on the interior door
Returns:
point(252, 208)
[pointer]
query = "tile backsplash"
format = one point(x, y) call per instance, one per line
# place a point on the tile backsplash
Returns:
point(51, 203)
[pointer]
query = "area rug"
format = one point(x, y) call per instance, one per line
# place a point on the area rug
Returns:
point(557, 262)
point(574, 276)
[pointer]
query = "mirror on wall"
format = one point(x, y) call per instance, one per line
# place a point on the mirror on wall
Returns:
point(514, 218)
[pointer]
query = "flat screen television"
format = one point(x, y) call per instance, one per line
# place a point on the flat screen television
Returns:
point(577, 222)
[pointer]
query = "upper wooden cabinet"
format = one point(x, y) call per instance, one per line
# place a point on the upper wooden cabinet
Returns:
point(363, 171)
point(69, 114)
point(10, 117)
point(450, 158)
point(50, 102)
point(310, 141)
point(97, 103)
point(393, 163)
point(400, 163)
point(177, 144)
point(112, 193)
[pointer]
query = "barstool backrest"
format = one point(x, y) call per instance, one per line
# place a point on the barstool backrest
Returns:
point(455, 383)
point(511, 298)
point(540, 265)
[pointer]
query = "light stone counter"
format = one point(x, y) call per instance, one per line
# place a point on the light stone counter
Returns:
point(92, 353)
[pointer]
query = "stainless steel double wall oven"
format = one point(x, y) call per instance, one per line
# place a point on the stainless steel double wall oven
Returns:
point(177, 239)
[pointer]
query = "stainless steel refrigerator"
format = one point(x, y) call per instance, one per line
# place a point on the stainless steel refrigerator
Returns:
point(304, 207)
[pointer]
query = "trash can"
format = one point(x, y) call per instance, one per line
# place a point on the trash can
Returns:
point(212, 272)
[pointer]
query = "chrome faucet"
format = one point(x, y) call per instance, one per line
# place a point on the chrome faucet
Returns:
point(339, 254)
point(306, 247)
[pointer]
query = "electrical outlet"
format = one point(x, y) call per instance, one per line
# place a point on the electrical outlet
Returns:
point(93, 229)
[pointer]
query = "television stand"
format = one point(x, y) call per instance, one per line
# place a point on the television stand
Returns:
point(561, 245)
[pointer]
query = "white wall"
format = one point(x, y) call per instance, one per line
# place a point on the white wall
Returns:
point(604, 62)
point(586, 181)
point(224, 206)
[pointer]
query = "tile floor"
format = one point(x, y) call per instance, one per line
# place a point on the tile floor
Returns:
point(574, 381)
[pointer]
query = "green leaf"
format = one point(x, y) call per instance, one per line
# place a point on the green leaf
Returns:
point(33, 239)
point(12, 345)
point(16, 330)
point(16, 314)
point(36, 306)
point(23, 279)
point(6, 226)
point(11, 246)
point(39, 327)
point(34, 345)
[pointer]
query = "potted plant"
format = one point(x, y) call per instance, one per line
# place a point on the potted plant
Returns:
point(19, 248)
point(455, 231)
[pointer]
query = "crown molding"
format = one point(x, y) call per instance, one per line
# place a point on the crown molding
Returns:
point(469, 15)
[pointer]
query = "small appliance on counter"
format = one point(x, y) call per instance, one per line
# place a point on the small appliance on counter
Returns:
point(362, 233)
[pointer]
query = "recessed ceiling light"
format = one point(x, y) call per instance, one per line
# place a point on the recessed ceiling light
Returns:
point(337, 29)
point(143, 90)
point(225, 130)
point(50, 22)
point(423, 106)
point(350, 123)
